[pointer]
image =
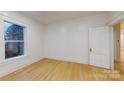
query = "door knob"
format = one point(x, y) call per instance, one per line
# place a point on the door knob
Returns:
point(90, 49)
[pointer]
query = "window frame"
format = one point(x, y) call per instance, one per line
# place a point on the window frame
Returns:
point(24, 42)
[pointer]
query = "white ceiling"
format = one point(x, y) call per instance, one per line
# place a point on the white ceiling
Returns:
point(46, 17)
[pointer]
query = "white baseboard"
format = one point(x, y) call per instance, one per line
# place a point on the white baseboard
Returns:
point(70, 60)
point(15, 68)
point(12, 66)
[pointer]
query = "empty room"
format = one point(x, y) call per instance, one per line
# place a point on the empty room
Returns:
point(61, 45)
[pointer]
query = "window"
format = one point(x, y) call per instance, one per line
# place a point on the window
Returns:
point(14, 40)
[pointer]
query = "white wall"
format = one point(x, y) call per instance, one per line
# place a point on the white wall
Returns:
point(65, 40)
point(34, 43)
point(68, 40)
point(122, 40)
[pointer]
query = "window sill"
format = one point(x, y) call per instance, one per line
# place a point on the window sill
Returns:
point(14, 58)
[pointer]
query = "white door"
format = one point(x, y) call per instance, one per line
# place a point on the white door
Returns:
point(99, 47)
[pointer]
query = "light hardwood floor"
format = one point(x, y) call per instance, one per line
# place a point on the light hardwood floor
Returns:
point(48, 69)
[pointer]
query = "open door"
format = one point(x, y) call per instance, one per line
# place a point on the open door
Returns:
point(99, 44)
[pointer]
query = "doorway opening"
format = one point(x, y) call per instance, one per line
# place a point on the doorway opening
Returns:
point(119, 41)
point(118, 29)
